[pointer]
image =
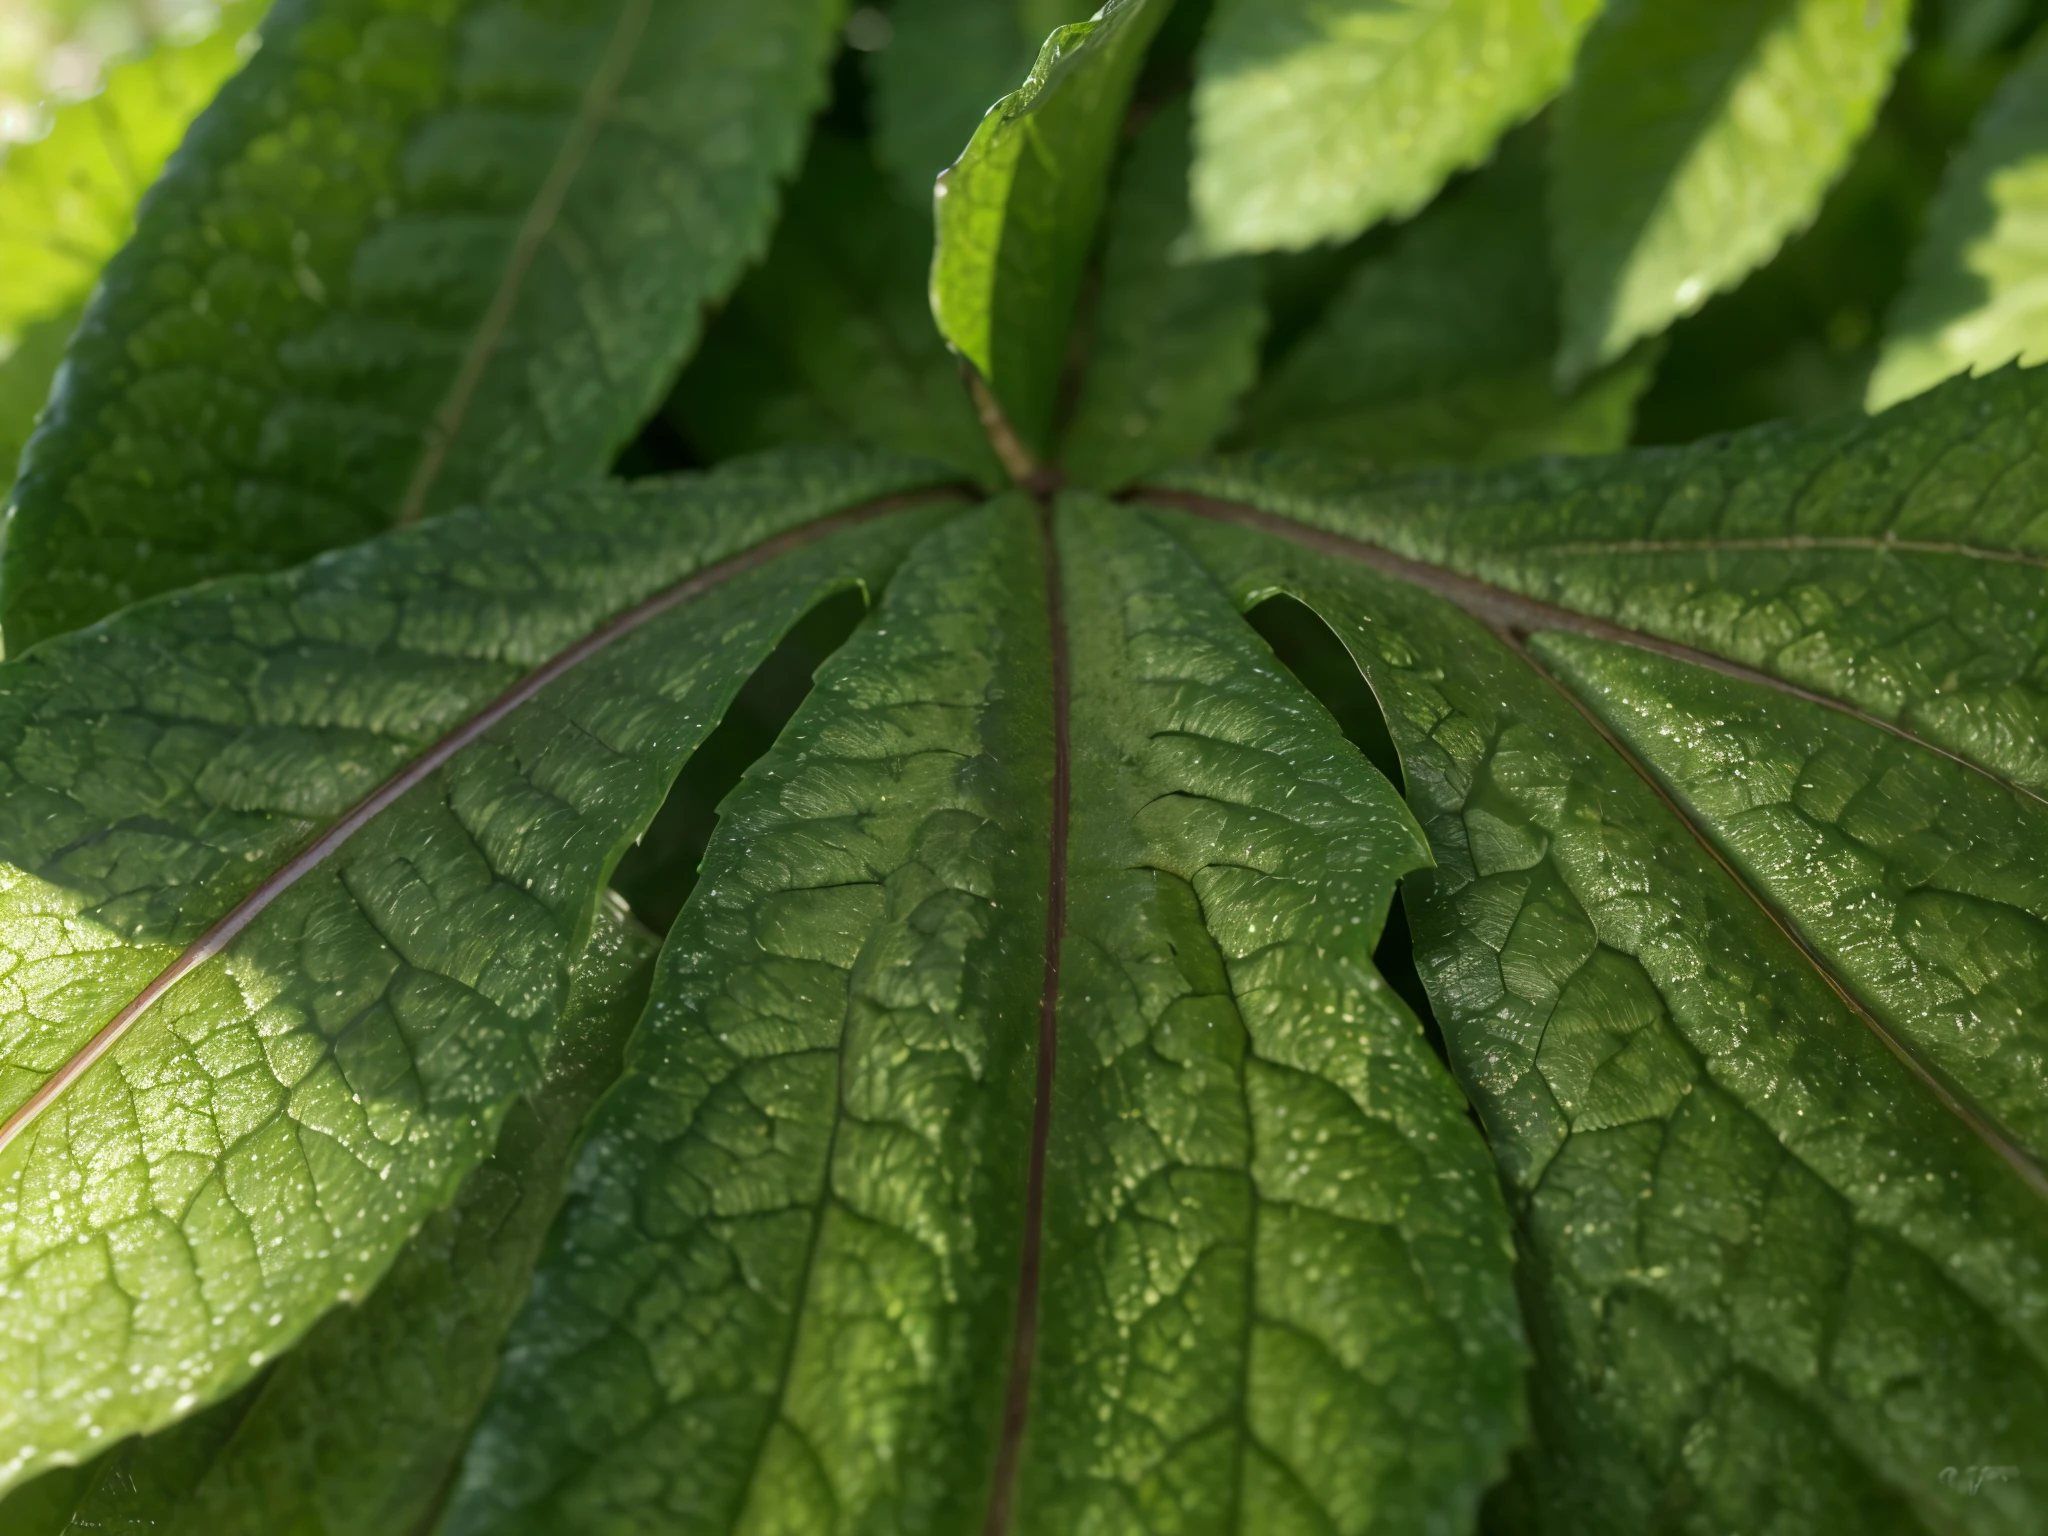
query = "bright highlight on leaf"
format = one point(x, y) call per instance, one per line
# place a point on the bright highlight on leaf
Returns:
point(1979, 293)
point(1696, 136)
point(1315, 119)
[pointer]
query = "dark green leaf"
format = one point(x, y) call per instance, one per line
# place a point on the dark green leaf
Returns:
point(1735, 801)
point(1441, 350)
point(258, 1145)
point(1170, 346)
point(1696, 136)
point(1017, 212)
point(831, 339)
point(1317, 118)
point(1975, 300)
point(414, 253)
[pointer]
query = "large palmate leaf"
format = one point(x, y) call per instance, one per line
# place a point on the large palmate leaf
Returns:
point(1317, 118)
point(1977, 297)
point(417, 250)
point(1016, 216)
point(356, 1432)
point(1440, 351)
point(1015, 1075)
point(262, 1016)
point(1735, 791)
point(1696, 136)
point(68, 201)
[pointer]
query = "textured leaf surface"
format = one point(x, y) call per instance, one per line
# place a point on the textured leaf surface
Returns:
point(1739, 978)
point(262, 1141)
point(1016, 213)
point(1696, 136)
point(831, 338)
point(787, 1270)
point(1276, 1268)
point(358, 1429)
point(1978, 295)
point(1171, 346)
point(783, 1295)
point(1317, 118)
point(68, 200)
point(947, 63)
point(415, 252)
point(1440, 351)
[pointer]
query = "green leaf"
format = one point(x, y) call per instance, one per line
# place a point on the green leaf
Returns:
point(360, 1427)
point(1016, 214)
point(1171, 346)
point(1975, 299)
point(1440, 350)
point(208, 1175)
point(1734, 792)
point(786, 1296)
point(67, 202)
point(1696, 136)
point(831, 338)
point(946, 63)
point(396, 267)
point(1317, 118)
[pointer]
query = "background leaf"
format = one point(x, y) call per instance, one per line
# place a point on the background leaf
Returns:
point(67, 202)
point(831, 338)
point(1440, 349)
point(1170, 346)
point(410, 255)
point(1317, 118)
point(1696, 136)
point(1977, 297)
point(1017, 212)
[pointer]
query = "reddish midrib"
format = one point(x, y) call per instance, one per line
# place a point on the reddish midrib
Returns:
point(1017, 1399)
point(250, 907)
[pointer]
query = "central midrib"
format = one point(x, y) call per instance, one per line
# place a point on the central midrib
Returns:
point(1024, 1341)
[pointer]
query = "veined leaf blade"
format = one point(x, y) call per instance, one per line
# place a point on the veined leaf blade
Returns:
point(429, 289)
point(1697, 136)
point(291, 1109)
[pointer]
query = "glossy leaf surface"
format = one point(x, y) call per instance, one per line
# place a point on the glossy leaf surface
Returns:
point(1975, 298)
point(1696, 136)
point(1016, 213)
point(260, 1143)
point(398, 264)
point(1315, 119)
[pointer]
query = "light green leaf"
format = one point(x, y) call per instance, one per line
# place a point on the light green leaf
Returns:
point(1736, 809)
point(1978, 294)
point(1170, 346)
point(831, 338)
point(1696, 136)
point(947, 63)
point(396, 267)
point(356, 1432)
point(1440, 350)
point(67, 202)
point(204, 1183)
point(1315, 119)
point(1016, 214)
point(786, 1293)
